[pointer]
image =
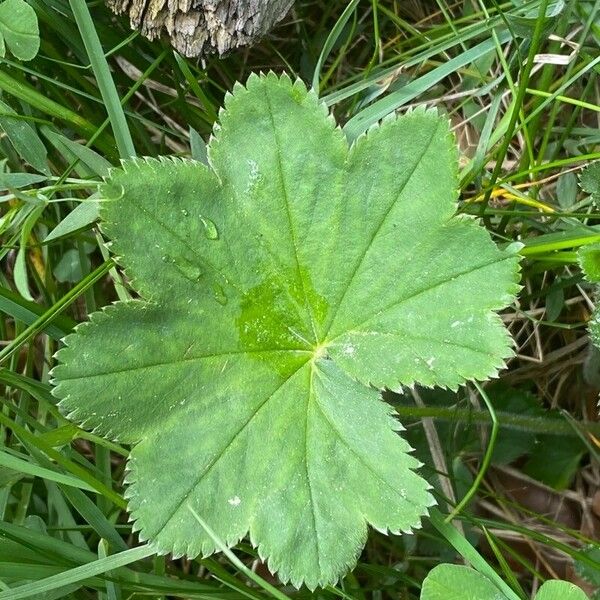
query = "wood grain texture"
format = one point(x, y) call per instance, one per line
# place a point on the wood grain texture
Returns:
point(201, 27)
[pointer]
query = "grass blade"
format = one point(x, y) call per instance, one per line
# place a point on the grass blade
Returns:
point(103, 76)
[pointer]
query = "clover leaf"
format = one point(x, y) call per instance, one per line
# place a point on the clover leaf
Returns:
point(281, 287)
point(19, 29)
point(456, 582)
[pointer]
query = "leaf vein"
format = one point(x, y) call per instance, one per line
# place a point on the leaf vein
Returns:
point(424, 338)
point(361, 459)
point(380, 225)
point(184, 242)
point(437, 284)
point(307, 473)
point(183, 360)
point(289, 215)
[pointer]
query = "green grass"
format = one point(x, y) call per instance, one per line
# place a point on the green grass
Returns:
point(525, 126)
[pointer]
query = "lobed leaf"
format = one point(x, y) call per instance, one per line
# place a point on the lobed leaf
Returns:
point(281, 286)
point(589, 181)
point(588, 257)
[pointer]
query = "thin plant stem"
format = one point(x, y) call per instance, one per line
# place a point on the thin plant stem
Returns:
point(487, 457)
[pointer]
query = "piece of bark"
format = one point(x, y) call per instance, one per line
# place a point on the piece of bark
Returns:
point(201, 27)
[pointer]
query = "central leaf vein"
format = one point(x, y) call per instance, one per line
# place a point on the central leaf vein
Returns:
point(286, 198)
point(307, 470)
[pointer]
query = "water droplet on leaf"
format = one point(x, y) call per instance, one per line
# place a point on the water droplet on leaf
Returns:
point(219, 294)
point(189, 270)
point(210, 229)
point(112, 191)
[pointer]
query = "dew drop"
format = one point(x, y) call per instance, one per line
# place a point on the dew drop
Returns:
point(210, 229)
point(167, 259)
point(189, 270)
point(219, 294)
point(113, 192)
point(185, 212)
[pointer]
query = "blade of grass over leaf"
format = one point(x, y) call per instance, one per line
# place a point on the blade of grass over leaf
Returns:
point(467, 551)
point(487, 458)
point(271, 590)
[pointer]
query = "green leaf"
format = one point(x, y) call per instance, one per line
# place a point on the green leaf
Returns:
point(588, 257)
point(280, 287)
point(566, 190)
point(455, 582)
point(72, 266)
point(555, 462)
point(587, 571)
point(560, 590)
point(24, 138)
point(19, 29)
point(20, 271)
point(198, 147)
point(11, 181)
point(73, 150)
point(514, 443)
point(523, 23)
point(589, 181)
point(81, 217)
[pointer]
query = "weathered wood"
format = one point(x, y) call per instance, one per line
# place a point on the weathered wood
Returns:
point(200, 27)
